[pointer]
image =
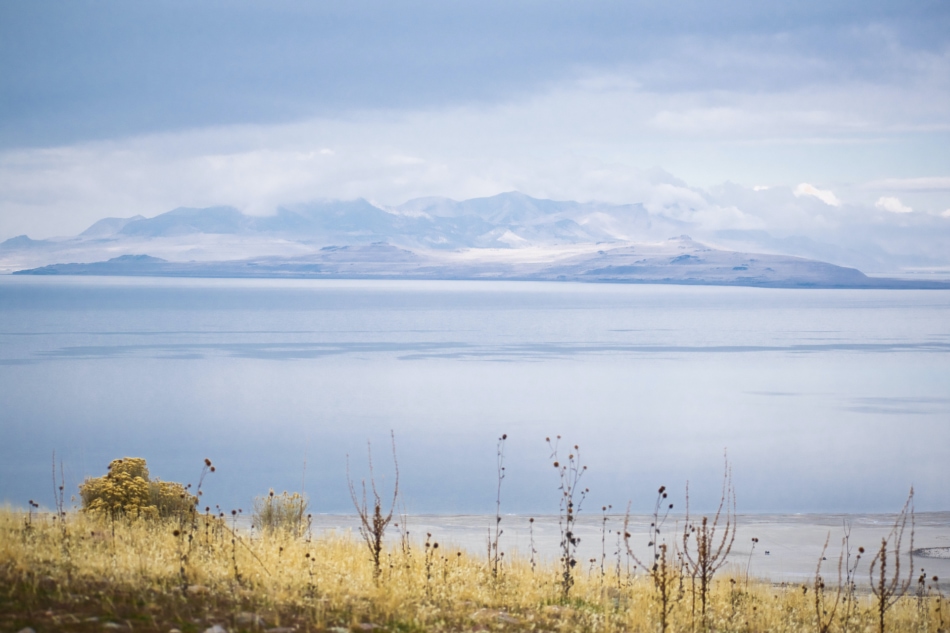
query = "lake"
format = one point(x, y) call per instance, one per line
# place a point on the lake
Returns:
point(829, 401)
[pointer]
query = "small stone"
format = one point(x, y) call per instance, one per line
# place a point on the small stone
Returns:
point(47, 584)
point(26, 629)
point(174, 630)
point(248, 619)
point(369, 626)
point(484, 615)
point(112, 626)
point(217, 628)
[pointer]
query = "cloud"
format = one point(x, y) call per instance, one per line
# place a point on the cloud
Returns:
point(590, 138)
point(828, 197)
point(892, 205)
point(96, 74)
point(939, 183)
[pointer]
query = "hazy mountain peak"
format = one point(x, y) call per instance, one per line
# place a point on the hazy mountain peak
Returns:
point(20, 241)
point(187, 220)
point(109, 226)
point(137, 259)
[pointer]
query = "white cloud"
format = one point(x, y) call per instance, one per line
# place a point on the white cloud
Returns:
point(593, 138)
point(826, 196)
point(945, 214)
point(892, 204)
point(938, 183)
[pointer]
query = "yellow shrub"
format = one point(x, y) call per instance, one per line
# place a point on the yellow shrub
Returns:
point(126, 490)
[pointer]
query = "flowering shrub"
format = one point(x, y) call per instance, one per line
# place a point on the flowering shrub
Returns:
point(126, 490)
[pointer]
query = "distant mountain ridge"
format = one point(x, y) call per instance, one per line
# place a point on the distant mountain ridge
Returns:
point(676, 261)
point(509, 235)
point(500, 221)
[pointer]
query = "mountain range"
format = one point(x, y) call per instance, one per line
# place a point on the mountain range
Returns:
point(508, 236)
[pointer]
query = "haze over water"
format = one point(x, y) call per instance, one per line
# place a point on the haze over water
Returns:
point(828, 401)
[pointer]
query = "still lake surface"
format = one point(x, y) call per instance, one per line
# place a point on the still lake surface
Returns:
point(828, 401)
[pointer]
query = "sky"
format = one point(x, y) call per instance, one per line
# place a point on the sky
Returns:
point(112, 108)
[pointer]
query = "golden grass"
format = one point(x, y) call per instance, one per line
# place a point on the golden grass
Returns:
point(164, 574)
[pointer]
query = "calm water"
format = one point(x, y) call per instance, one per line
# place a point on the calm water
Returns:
point(828, 401)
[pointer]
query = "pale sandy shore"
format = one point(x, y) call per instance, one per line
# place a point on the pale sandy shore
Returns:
point(788, 549)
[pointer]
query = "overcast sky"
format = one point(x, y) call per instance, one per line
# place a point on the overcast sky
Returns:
point(114, 108)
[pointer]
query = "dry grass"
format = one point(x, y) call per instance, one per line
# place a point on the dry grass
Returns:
point(158, 574)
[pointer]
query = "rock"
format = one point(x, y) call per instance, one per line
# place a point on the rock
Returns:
point(248, 619)
point(217, 628)
point(487, 615)
point(113, 626)
point(197, 590)
point(174, 630)
point(369, 626)
point(26, 629)
point(47, 584)
point(558, 611)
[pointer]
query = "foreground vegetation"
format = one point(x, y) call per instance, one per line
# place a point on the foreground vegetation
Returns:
point(144, 556)
point(88, 572)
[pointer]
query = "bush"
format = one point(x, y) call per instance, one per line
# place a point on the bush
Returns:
point(285, 511)
point(126, 490)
